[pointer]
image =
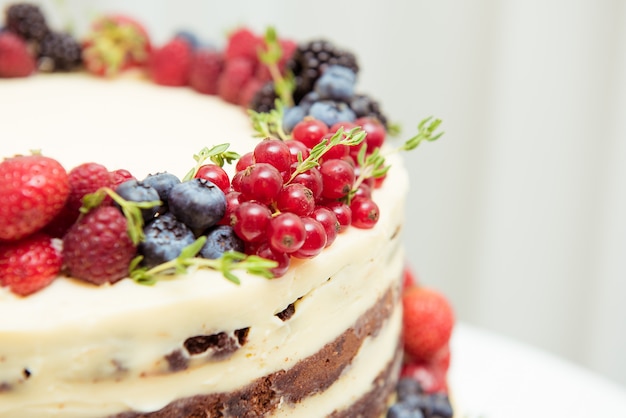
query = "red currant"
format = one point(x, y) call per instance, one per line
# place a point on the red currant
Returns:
point(295, 148)
point(315, 240)
point(329, 221)
point(309, 131)
point(365, 213)
point(347, 126)
point(363, 191)
point(274, 152)
point(286, 232)
point(261, 182)
point(343, 214)
point(232, 202)
point(312, 179)
point(216, 175)
point(250, 221)
point(283, 260)
point(296, 198)
point(245, 161)
point(337, 178)
point(375, 132)
point(336, 152)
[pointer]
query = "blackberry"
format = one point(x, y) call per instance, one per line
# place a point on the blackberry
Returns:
point(364, 106)
point(309, 61)
point(59, 52)
point(263, 100)
point(27, 21)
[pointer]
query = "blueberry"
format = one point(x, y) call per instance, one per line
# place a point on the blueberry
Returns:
point(407, 386)
point(198, 203)
point(136, 191)
point(165, 237)
point(331, 112)
point(308, 100)
point(292, 116)
point(162, 183)
point(441, 406)
point(404, 410)
point(336, 83)
point(220, 239)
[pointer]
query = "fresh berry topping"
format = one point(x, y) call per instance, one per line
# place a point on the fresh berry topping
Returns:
point(428, 322)
point(297, 148)
point(375, 130)
point(119, 176)
point(243, 43)
point(336, 83)
point(97, 248)
point(169, 65)
point(274, 152)
point(27, 21)
point(115, 43)
point(328, 220)
point(292, 116)
point(261, 182)
point(236, 74)
point(283, 259)
point(204, 72)
point(310, 131)
point(338, 177)
point(314, 241)
point(220, 239)
point(216, 175)
point(165, 238)
point(136, 191)
point(295, 198)
point(364, 106)
point(264, 98)
point(312, 179)
point(250, 221)
point(33, 191)
point(162, 183)
point(365, 213)
point(15, 58)
point(330, 112)
point(197, 203)
point(342, 212)
point(59, 52)
point(29, 265)
point(408, 278)
point(245, 161)
point(286, 233)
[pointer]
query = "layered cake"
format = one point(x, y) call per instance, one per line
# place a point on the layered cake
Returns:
point(297, 310)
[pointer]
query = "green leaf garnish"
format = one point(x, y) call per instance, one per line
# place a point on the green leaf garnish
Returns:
point(270, 55)
point(351, 138)
point(219, 155)
point(269, 124)
point(227, 264)
point(130, 209)
point(425, 132)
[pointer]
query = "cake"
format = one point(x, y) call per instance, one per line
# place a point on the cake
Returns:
point(321, 337)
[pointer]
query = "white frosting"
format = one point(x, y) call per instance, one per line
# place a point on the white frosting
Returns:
point(75, 337)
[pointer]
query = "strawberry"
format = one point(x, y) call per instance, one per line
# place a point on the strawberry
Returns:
point(15, 58)
point(428, 320)
point(431, 379)
point(97, 248)
point(33, 190)
point(236, 74)
point(83, 179)
point(115, 43)
point(205, 70)
point(169, 65)
point(243, 43)
point(408, 278)
point(29, 265)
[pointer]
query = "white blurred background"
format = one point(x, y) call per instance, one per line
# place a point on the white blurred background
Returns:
point(518, 213)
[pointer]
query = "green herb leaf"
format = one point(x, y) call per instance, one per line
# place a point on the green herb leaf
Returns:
point(218, 154)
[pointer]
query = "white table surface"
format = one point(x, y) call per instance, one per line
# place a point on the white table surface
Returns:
point(494, 377)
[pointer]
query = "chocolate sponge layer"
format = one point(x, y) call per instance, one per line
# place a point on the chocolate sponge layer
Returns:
point(307, 377)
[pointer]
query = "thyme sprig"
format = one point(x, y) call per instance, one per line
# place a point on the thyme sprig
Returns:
point(218, 154)
point(227, 264)
point(270, 124)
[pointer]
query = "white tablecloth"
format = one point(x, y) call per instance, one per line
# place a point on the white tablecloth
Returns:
point(495, 377)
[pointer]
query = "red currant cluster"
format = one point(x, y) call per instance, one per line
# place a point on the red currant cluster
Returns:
point(282, 208)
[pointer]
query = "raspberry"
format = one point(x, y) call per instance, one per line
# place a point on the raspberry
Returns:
point(169, 65)
point(59, 52)
point(27, 21)
point(236, 74)
point(249, 91)
point(428, 321)
point(243, 43)
point(97, 248)
point(205, 70)
point(15, 59)
point(33, 190)
point(29, 265)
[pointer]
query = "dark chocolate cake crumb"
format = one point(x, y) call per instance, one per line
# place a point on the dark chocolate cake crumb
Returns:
point(26, 373)
point(220, 344)
point(287, 313)
point(177, 361)
point(242, 335)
